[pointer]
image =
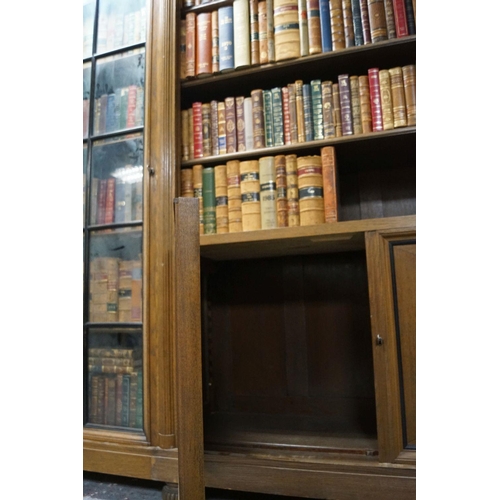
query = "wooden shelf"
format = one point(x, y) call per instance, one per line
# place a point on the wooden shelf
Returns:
point(323, 238)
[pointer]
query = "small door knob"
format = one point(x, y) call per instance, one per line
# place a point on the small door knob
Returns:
point(379, 340)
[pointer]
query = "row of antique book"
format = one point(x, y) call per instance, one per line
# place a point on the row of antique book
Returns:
point(271, 192)
point(301, 112)
point(254, 32)
point(115, 387)
point(115, 287)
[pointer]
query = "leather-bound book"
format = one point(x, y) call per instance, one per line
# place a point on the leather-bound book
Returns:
point(187, 190)
point(326, 28)
point(356, 21)
point(292, 108)
point(386, 99)
point(281, 199)
point(398, 97)
point(214, 125)
point(329, 170)
point(292, 190)
point(365, 104)
point(204, 44)
point(234, 196)
point(198, 192)
point(182, 50)
point(310, 182)
point(355, 105)
point(258, 118)
point(206, 126)
point(375, 100)
point(263, 45)
point(191, 133)
point(317, 110)
point(215, 41)
point(241, 13)
point(268, 118)
point(410, 86)
point(337, 112)
point(209, 217)
point(185, 134)
point(250, 195)
point(221, 206)
point(410, 17)
point(231, 137)
point(345, 104)
point(400, 18)
point(197, 130)
point(226, 42)
point(190, 44)
point(270, 31)
point(109, 210)
point(268, 193)
point(221, 127)
point(313, 26)
point(389, 19)
point(254, 32)
point(277, 113)
point(365, 22)
point(348, 23)
point(308, 118)
point(299, 104)
point(286, 29)
point(240, 123)
point(327, 101)
point(248, 118)
point(285, 104)
point(378, 24)
point(303, 28)
point(337, 25)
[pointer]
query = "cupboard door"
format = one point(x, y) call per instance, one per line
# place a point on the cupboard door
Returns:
point(391, 260)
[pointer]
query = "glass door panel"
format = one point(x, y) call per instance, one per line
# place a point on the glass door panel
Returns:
point(88, 26)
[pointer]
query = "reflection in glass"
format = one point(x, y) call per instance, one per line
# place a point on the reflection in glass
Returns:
point(120, 23)
point(117, 171)
point(86, 99)
point(115, 284)
point(88, 26)
point(115, 378)
point(119, 92)
point(85, 152)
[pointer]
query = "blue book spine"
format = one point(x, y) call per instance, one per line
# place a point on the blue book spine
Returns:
point(326, 29)
point(308, 118)
point(226, 38)
point(357, 24)
point(110, 113)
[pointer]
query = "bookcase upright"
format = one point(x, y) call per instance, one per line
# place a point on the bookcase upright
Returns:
point(276, 361)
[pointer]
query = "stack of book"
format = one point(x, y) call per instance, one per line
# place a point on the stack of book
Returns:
point(254, 32)
point(116, 388)
point(271, 192)
point(301, 112)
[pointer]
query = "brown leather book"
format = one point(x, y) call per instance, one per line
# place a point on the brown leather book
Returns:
point(240, 123)
point(206, 125)
point(254, 32)
point(375, 99)
point(337, 112)
point(182, 51)
point(285, 103)
point(365, 22)
point(398, 97)
point(389, 19)
point(355, 105)
point(191, 133)
point(378, 23)
point(365, 105)
point(329, 169)
point(198, 192)
point(185, 134)
point(187, 190)
point(197, 130)
point(221, 127)
point(292, 108)
point(348, 23)
point(214, 124)
point(204, 44)
point(310, 182)
point(215, 41)
point(292, 191)
point(190, 44)
point(221, 201)
point(250, 195)
point(263, 46)
point(231, 138)
point(327, 100)
point(386, 99)
point(234, 196)
point(299, 105)
point(282, 201)
point(258, 119)
point(337, 25)
point(410, 86)
point(286, 29)
point(313, 26)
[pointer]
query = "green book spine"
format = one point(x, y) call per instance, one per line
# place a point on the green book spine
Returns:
point(317, 110)
point(268, 118)
point(277, 106)
point(208, 191)
point(308, 119)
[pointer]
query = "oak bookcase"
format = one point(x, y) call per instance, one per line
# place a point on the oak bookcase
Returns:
point(276, 361)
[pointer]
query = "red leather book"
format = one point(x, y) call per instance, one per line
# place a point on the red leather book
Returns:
point(203, 44)
point(240, 123)
point(206, 129)
point(375, 99)
point(400, 18)
point(132, 103)
point(214, 124)
point(109, 211)
point(197, 130)
point(286, 114)
point(101, 201)
point(365, 22)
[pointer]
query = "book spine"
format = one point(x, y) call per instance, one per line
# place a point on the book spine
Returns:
point(378, 23)
point(337, 112)
point(345, 104)
point(410, 86)
point(292, 191)
point(365, 22)
point(139, 108)
point(281, 198)
point(248, 118)
point(270, 31)
point(214, 127)
point(292, 109)
point(215, 41)
point(240, 123)
point(263, 46)
point(198, 192)
point(355, 105)
point(326, 29)
point(136, 291)
point(313, 26)
point(234, 196)
point(241, 13)
point(299, 101)
point(132, 104)
point(303, 28)
point(400, 18)
point(94, 199)
point(226, 42)
point(365, 105)
point(221, 201)
point(185, 134)
point(375, 101)
point(209, 216)
point(286, 115)
point(268, 118)
point(277, 108)
point(286, 29)
point(398, 97)
point(139, 414)
point(110, 113)
point(119, 201)
point(123, 107)
point(206, 127)
point(187, 188)
point(110, 201)
point(410, 17)
point(125, 400)
point(231, 138)
point(190, 44)
point(203, 43)
point(348, 23)
point(337, 25)
point(310, 183)
point(258, 118)
point(317, 110)
point(268, 193)
point(254, 32)
point(250, 195)
point(221, 127)
point(100, 361)
point(191, 133)
point(114, 352)
point(197, 130)
point(389, 19)
point(356, 21)
point(112, 369)
point(327, 102)
point(94, 399)
point(102, 113)
point(386, 99)
point(329, 170)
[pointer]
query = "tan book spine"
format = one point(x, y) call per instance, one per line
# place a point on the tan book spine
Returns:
point(183, 62)
point(337, 112)
point(286, 29)
point(258, 119)
point(329, 168)
point(268, 193)
point(254, 32)
point(282, 202)
point(231, 138)
point(292, 109)
point(365, 104)
point(355, 105)
point(337, 25)
point(204, 44)
point(292, 191)
point(299, 104)
point(198, 192)
point(190, 44)
point(410, 86)
point(234, 196)
point(185, 134)
point(240, 123)
point(187, 187)
point(221, 199)
point(313, 26)
point(191, 133)
point(386, 99)
point(206, 126)
point(263, 48)
point(221, 127)
point(398, 97)
point(215, 41)
point(250, 195)
point(310, 181)
point(327, 100)
point(378, 23)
